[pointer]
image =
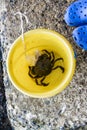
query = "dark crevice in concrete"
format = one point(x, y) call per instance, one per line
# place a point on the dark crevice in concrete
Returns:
point(4, 121)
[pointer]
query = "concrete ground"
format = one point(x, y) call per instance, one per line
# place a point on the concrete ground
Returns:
point(65, 110)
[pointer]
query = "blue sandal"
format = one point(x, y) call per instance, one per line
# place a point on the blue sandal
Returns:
point(80, 36)
point(76, 13)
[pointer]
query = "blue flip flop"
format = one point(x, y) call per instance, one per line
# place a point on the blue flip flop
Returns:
point(76, 13)
point(80, 36)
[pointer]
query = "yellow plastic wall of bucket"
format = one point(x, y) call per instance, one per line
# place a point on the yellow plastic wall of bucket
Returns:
point(40, 39)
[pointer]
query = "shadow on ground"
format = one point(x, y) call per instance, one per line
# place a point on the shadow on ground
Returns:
point(4, 121)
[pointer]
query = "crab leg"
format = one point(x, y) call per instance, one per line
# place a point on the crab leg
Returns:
point(53, 57)
point(44, 84)
point(47, 53)
point(29, 73)
point(58, 59)
point(41, 82)
point(62, 68)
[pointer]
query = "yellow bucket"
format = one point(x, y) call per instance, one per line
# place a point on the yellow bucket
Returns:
point(18, 69)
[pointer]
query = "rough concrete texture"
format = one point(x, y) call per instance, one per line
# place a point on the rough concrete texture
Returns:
point(69, 108)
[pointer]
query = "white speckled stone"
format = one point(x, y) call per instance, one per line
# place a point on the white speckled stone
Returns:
point(68, 107)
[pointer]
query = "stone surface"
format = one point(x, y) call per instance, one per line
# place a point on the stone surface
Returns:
point(4, 121)
point(67, 109)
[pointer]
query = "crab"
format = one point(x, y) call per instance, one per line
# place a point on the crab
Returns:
point(43, 67)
